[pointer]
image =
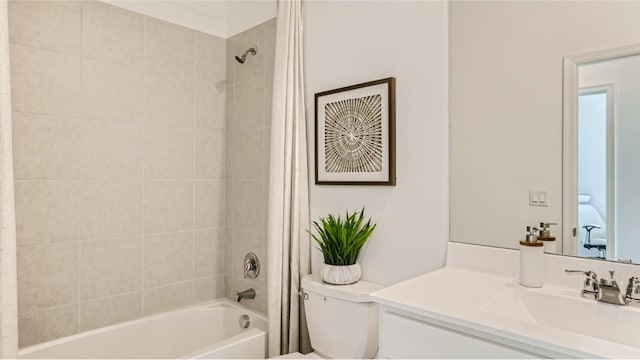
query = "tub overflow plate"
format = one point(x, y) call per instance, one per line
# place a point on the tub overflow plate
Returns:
point(244, 321)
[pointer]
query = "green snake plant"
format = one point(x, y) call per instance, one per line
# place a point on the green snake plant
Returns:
point(341, 240)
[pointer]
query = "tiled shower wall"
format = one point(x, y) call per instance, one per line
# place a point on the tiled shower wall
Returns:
point(119, 149)
point(249, 95)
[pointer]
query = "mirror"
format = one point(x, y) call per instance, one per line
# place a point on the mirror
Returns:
point(506, 95)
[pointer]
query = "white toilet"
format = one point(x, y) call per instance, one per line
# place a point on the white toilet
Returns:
point(342, 321)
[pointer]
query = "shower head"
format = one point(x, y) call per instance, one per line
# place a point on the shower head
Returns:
point(251, 51)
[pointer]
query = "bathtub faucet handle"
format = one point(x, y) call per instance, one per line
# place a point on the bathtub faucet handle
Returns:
point(251, 266)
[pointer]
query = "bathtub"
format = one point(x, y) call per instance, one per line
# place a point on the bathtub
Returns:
point(210, 330)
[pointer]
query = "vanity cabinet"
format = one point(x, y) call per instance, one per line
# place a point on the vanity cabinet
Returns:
point(483, 312)
point(406, 337)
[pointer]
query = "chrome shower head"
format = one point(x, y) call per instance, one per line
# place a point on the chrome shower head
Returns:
point(252, 51)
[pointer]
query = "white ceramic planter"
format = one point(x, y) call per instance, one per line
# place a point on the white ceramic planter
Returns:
point(341, 275)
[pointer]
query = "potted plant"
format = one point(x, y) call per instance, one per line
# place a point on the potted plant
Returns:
point(340, 242)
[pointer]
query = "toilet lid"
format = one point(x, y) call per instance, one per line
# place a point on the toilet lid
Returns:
point(358, 292)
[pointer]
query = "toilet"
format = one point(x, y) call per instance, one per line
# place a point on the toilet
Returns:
point(342, 321)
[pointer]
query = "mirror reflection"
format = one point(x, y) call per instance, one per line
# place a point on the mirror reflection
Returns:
point(511, 135)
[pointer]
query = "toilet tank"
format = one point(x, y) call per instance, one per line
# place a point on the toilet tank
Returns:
point(342, 321)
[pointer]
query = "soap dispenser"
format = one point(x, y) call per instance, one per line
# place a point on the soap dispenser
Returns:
point(547, 239)
point(531, 260)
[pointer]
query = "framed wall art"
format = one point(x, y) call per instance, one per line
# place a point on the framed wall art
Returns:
point(355, 134)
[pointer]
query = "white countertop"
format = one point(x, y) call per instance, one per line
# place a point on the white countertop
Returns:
point(482, 304)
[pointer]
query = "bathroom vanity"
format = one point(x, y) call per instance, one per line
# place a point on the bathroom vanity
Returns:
point(477, 309)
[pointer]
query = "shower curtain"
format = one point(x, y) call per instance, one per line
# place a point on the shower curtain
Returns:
point(8, 281)
point(288, 241)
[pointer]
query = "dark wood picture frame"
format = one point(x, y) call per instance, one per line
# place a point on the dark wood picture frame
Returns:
point(390, 144)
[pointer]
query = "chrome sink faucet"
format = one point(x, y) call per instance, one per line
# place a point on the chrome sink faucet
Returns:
point(590, 288)
point(610, 291)
point(607, 289)
point(633, 292)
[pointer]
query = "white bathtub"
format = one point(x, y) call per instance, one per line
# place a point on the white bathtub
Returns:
point(206, 331)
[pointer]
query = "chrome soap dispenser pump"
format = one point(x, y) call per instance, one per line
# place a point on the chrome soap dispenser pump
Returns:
point(547, 239)
point(531, 260)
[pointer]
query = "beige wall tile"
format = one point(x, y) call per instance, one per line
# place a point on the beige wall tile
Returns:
point(268, 99)
point(250, 206)
point(45, 82)
point(209, 288)
point(69, 148)
point(230, 125)
point(50, 25)
point(209, 203)
point(233, 285)
point(47, 211)
point(230, 65)
point(110, 310)
point(229, 166)
point(211, 58)
point(248, 151)
point(266, 152)
point(209, 254)
point(110, 267)
point(44, 325)
point(168, 206)
point(112, 92)
point(228, 250)
point(228, 107)
point(169, 101)
point(230, 157)
point(112, 150)
point(168, 258)
point(230, 203)
point(245, 242)
point(169, 48)
point(168, 297)
point(269, 44)
point(110, 208)
point(210, 155)
point(210, 106)
point(112, 34)
point(48, 146)
point(82, 204)
point(168, 153)
point(248, 107)
point(47, 276)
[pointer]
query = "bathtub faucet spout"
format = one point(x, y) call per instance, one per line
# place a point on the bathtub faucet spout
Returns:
point(246, 294)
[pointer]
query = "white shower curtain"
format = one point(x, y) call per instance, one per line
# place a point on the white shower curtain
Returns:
point(8, 282)
point(288, 241)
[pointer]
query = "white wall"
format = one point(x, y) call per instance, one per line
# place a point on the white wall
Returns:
point(245, 14)
point(592, 167)
point(222, 18)
point(352, 42)
point(506, 103)
point(592, 150)
point(207, 16)
point(626, 77)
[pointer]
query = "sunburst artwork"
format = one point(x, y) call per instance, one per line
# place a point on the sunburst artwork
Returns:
point(355, 134)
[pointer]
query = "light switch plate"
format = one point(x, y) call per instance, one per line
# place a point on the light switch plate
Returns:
point(538, 197)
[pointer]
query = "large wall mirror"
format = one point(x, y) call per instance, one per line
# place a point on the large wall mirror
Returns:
point(517, 70)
